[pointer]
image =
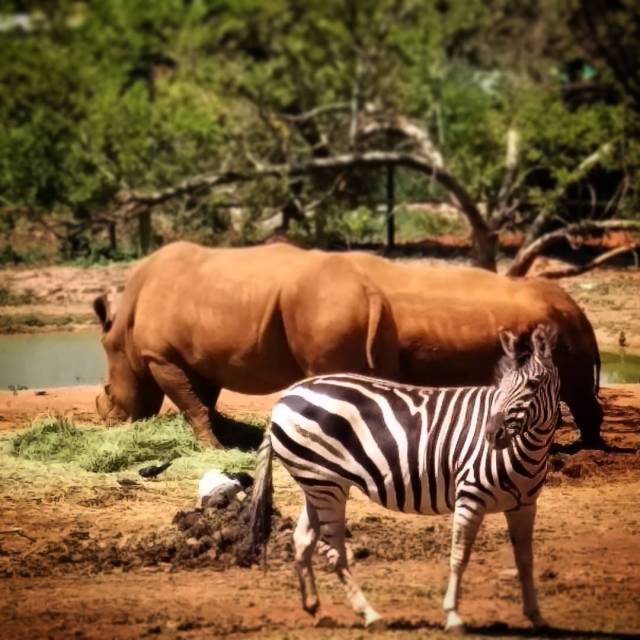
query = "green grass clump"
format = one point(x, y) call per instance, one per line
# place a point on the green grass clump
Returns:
point(143, 441)
point(50, 438)
point(101, 450)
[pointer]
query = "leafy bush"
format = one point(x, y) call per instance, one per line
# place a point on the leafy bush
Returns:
point(416, 225)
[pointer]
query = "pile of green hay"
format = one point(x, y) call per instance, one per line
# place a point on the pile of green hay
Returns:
point(101, 450)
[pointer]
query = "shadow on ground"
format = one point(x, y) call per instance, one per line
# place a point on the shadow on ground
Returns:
point(233, 433)
point(500, 629)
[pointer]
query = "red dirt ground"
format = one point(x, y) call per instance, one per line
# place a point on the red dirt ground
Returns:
point(588, 564)
point(586, 540)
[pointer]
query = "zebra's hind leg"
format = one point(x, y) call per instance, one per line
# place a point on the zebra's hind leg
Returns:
point(466, 523)
point(332, 530)
point(520, 524)
point(305, 537)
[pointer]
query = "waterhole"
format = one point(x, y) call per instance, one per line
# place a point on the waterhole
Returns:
point(77, 359)
point(51, 360)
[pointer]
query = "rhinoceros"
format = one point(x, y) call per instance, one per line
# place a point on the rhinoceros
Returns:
point(448, 321)
point(193, 320)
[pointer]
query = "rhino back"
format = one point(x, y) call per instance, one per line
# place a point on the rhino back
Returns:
point(448, 318)
point(336, 319)
point(216, 311)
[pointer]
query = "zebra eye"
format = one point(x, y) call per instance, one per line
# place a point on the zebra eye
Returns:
point(532, 384)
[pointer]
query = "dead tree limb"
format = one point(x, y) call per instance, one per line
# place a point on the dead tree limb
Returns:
point(575, 270)
point(399, 125)
point(503, 208)
point(525, 257)
point(483, 236)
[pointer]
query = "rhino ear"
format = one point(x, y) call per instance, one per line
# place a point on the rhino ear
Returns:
point(103, 308)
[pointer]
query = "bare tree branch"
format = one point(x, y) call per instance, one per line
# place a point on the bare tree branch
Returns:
point(511, 167)
point(525, 257)
point(341, 162)
point(483, 236)
point(575, 270)
point(400, 125)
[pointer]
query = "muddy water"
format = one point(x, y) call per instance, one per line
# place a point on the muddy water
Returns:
point(51, 360)
point(620, 367)
point(75, 359)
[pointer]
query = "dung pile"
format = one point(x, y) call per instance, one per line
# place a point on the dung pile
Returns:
point(221, 535)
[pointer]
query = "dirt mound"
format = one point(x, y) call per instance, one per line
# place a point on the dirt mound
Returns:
point(214, 538)
point(588, 463)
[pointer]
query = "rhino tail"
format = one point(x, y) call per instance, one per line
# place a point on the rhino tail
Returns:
point(376, 309)
point(591, 346)
point(593, 343)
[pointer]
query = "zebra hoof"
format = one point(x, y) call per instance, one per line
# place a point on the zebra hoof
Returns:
point(455, 630)
point(454, 625)
point(312, 606)
point(376, 625)
point(540, 624)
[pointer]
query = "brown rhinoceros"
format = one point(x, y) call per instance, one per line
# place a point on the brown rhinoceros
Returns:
point(193, 320)
point(448, 322)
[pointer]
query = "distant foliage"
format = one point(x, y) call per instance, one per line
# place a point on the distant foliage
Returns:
point(100, 98)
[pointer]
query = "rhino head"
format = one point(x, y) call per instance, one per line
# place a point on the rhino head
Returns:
point(126, 393)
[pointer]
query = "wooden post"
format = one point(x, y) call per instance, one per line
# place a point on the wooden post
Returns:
point(113, 237)
point(390, 215)
point(144, 231)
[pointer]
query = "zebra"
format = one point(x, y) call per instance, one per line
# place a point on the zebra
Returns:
point(466, 450)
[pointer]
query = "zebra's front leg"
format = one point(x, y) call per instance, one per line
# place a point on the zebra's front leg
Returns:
point(466, 523)
point(305, 537)
point(520, 524)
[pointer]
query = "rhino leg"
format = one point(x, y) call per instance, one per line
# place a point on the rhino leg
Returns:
point(587, 413)
point(195, 397)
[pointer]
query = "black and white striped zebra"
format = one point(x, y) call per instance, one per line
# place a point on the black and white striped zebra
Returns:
point(467, 451)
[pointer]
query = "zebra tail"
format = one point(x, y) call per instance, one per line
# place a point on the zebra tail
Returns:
point(261, 507)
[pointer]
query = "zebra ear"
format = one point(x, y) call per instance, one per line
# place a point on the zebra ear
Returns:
point(509, 342)
point(543, 341)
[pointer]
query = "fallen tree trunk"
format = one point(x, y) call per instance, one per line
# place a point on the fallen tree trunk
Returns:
point(574, 270)
point(525, 257)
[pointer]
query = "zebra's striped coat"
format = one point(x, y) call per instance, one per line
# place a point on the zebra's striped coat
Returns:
point(469, 451)
point(427, 447)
